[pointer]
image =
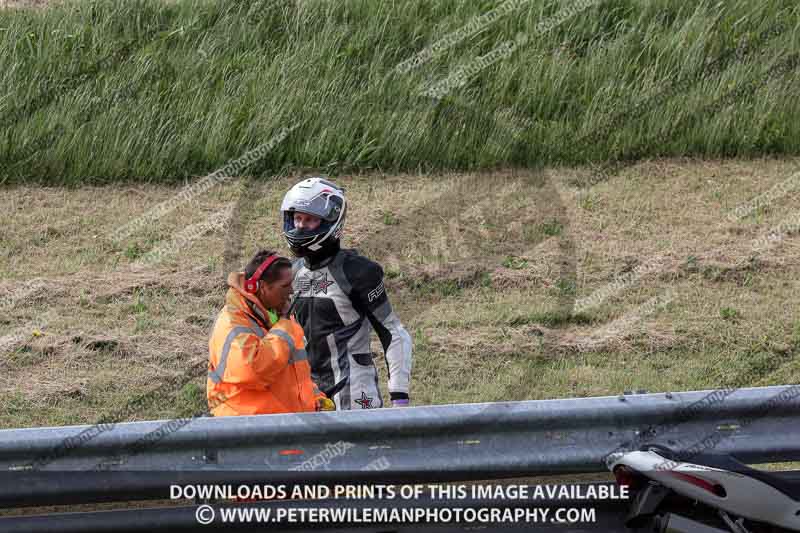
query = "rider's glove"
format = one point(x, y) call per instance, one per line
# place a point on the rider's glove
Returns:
point(399, 399)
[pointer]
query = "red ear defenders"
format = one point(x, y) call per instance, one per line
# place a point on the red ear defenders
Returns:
point(251, 284)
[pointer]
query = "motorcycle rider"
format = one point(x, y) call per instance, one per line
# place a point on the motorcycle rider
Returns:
point(339, 295)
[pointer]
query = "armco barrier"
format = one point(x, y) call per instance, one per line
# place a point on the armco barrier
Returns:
point(450, 442)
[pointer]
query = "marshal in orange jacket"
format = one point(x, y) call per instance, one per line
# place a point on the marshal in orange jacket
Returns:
point(258, 365)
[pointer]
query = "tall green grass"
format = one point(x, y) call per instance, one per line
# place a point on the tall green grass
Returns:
point(144, 90)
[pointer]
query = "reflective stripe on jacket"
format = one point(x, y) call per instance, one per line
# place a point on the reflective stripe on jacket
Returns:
point(257, 366)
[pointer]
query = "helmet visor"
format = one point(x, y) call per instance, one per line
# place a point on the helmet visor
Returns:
point(324, 205)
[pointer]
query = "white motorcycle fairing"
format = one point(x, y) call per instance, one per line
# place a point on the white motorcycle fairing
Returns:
point(740, 494)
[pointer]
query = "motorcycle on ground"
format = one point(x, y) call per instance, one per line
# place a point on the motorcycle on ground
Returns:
point(714, 493)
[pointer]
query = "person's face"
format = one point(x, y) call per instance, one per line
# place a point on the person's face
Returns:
point(276, 295)
point(306, 222)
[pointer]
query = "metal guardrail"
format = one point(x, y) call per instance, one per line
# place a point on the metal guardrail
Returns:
point(454, 442)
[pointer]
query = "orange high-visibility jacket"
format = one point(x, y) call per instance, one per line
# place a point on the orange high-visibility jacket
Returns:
point(256, 366)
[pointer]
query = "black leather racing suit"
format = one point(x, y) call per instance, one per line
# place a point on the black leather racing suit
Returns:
point(341, 298)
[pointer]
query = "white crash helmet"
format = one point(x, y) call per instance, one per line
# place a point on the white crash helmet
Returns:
point(319, 197)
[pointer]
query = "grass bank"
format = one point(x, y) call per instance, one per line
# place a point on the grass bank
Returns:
point(151, 91)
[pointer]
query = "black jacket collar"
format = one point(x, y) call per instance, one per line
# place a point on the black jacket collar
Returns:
point(325, 256)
